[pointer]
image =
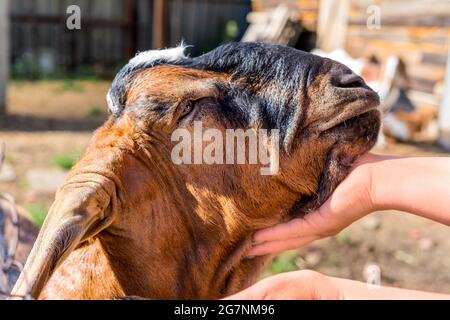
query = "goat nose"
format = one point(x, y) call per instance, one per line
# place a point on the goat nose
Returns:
point(349, 80)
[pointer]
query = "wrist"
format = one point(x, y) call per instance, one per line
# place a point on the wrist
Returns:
point(375, 186)
point(378, 185)
point(313, 285)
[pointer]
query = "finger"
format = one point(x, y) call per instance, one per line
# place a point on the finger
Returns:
point(281, 231)
point(299, 227)
point(255, 292)
point(247, 294)
point(274, 247)
point(303, 284)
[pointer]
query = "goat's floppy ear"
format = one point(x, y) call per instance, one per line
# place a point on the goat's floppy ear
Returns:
point(82, 208)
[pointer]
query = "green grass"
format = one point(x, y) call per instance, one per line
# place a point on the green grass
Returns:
point(66, 161)
point(70, 85)
point(38, 212)
point(94, 111)
point(28, 70)
point(284, 262)
point(333, 260)
point(343, 238)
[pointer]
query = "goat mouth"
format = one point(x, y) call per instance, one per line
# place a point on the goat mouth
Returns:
point(356, 108)
point(352, 138)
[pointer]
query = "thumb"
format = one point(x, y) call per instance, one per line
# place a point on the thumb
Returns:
point(310, 226)
point(287, 230)
point(255, 292)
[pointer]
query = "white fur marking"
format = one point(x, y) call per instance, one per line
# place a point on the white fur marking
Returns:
point(169, 55)
point(148, 57)
point(112, 108)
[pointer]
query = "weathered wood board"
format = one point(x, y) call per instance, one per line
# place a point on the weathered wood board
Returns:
point(4, 52)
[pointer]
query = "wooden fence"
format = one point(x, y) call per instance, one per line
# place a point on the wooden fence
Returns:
point(41, 43)
point(112, 31)
point(4, 52)
point(307, 10)
point(417, 31)
point(206, 23)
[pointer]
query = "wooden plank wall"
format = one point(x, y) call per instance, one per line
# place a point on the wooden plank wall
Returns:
point(39, 33)
point(307, 10)
point(444, 111)
point(203, 23)
point(111, 33)
point(418, 31)
point(4, 53)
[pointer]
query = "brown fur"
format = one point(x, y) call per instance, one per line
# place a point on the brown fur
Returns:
point(163, 231)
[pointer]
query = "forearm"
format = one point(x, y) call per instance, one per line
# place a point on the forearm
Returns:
point(311, 285)
point(416, 185)
point(355, 290)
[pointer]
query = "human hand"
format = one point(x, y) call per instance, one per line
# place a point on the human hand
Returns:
point(311, 285)
point(351, 200)
point(296, 285)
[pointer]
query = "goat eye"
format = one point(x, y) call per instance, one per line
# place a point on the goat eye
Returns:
point(187, 107)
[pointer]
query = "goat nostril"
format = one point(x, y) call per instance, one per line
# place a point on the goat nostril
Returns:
point(350, 81)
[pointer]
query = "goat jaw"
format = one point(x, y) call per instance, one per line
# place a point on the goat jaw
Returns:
point(81, 210)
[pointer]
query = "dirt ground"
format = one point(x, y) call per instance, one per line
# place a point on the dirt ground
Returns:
point(50, 119)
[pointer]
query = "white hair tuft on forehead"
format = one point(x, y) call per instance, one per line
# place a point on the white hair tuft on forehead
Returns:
point(146, 59)
point(167, 55)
